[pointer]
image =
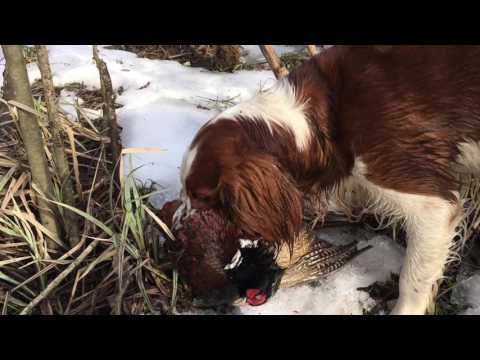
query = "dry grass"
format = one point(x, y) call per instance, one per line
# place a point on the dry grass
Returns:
point(119, 267)
point(90, 98)
point(30, 54)
point(225, 58)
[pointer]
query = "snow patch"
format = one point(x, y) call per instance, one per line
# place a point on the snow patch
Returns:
point(467, 292)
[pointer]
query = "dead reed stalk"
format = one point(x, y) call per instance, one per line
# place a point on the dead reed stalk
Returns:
point(31, 134)
point(109, 114)
point(59, 155)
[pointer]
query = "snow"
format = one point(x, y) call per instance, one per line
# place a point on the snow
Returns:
point(164, 104)
point(467, 293)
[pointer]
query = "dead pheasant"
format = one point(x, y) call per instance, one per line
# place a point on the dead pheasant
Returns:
point(209, 242)
point(311, 260)
point(320, 259)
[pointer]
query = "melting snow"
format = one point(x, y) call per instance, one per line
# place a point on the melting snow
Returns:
point(467, 293)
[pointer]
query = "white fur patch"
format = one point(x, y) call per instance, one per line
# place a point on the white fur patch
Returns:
point(187, 162)
point(248, 244)
point(278, 105)
point(185, 209)
point(430, 223)
point(469, 156)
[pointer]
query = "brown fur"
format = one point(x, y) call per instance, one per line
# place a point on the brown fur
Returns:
point(262, 197)
point(402, 109)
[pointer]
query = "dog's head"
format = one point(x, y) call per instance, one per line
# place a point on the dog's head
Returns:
point(252, 163)
point(229, 168)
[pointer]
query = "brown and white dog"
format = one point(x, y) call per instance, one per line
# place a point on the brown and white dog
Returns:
point(382, 127)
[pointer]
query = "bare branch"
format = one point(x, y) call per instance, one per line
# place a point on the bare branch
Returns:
point(312, 50)
point(31, 134)
point(59, 156)
point(276, 64)
point(109, 114)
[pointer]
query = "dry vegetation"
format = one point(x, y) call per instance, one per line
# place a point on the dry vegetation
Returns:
point(118, 267)
point(227, 58)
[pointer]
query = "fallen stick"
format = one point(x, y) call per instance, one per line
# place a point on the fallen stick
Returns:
point(55, 282)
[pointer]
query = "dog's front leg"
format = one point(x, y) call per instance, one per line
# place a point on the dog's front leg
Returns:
point(430, 225)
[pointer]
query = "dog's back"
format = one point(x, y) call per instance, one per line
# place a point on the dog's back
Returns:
point(409, 111)
point(405, 119)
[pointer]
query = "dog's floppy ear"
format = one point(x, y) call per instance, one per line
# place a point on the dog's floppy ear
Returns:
point(263, 200)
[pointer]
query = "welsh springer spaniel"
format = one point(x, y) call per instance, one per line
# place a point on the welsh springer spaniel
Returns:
point(387, 128)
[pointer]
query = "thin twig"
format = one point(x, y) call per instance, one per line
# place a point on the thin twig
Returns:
point(55, 282)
